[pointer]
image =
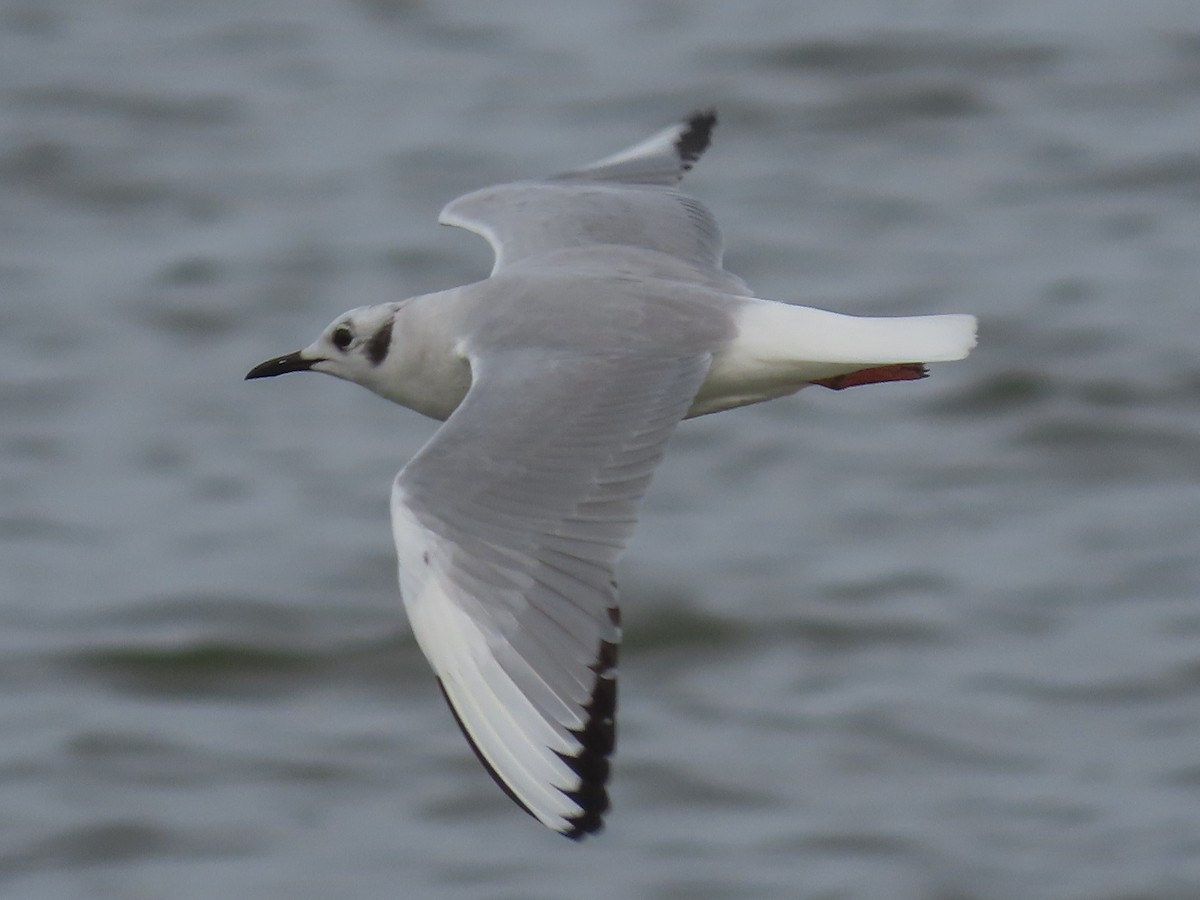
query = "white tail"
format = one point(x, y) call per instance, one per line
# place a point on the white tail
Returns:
point(778, 332)
point(780, 348)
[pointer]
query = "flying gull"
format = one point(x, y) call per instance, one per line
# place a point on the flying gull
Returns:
point(606, 320)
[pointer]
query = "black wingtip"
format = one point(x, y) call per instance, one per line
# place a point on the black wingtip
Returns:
point(694, 140)
point(597, 739)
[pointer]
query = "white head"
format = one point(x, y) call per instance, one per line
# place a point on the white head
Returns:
point(353, 347)
point(392, 351)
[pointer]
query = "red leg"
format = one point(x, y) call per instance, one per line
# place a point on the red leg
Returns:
point(876, 375)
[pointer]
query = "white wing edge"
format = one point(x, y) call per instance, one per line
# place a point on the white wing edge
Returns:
point(555, 774)
point(662, 158)
point(449, 216)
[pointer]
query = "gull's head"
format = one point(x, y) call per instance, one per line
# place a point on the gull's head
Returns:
point(352, 347)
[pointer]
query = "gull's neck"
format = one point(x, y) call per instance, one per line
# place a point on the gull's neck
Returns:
point(425, 367)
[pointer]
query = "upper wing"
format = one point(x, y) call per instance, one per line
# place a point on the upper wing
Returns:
point(624, 200)
point(508, 525)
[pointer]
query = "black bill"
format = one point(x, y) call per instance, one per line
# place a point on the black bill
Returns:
point(281, 365)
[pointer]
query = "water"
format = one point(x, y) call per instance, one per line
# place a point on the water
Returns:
point(931, 640)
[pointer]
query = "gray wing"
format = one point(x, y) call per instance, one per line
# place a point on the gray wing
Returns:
point(625, 201)
point(508, 525)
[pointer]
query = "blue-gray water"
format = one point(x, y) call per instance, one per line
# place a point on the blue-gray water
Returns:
point(929, 641)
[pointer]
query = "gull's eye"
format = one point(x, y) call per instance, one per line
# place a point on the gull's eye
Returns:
point(341, 337)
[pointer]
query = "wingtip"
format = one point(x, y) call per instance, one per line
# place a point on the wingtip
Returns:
point(597, 741)
point(661, 159)
point(589, 762)
point(696, 136)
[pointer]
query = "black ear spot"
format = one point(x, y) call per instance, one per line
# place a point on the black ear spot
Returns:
point(341, 337)
point(380, 343)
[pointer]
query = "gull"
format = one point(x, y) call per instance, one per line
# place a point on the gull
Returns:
point(606, 320)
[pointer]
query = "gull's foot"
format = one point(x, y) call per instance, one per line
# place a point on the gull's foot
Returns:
point(876, 375)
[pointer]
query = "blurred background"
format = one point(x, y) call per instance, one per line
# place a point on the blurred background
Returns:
point(922, 640)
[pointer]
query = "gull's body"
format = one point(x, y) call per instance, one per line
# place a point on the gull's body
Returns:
point(606, 320)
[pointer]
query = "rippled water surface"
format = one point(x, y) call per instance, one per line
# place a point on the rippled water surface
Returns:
point(934, 640)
